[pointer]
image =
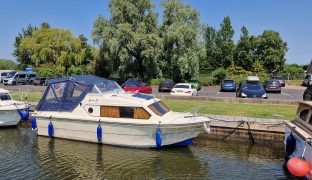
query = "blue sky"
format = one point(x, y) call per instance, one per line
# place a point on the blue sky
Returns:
point(291, 18)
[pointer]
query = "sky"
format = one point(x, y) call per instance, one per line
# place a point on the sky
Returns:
point(292, 19)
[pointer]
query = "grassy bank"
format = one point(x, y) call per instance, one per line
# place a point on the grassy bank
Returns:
point(270, 111)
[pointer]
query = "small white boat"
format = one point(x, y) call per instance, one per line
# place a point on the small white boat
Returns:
point(298, 141)
point(9, 115)
point(93, 109)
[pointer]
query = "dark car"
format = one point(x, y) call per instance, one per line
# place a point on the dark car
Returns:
point(281, 80)
point(307, 95)
point(272, 86)
point(251, 89)
point(40, 81)
point(166, 85)
point(228, 85)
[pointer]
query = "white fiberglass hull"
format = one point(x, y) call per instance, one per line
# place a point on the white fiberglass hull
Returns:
point(300, 144)
point(9, 118)
point(121, 134)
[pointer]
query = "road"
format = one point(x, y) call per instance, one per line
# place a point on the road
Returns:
point(288, 93)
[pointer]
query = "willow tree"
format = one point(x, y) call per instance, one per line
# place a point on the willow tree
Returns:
point(179, 31)
point(128, 40)
point(53, 46)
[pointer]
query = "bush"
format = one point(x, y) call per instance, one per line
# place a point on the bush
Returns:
point(45, 72)
point(74, 71)
point(206, 80)
point(218, 75)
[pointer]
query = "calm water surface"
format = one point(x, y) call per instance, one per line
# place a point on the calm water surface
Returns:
point(23, 155)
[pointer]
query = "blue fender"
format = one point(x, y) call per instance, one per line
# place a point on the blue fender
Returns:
point(33, 123)
point(50, 129)
point(24, 116)
point(158, 138)
point(99, 133)
point(290, 144)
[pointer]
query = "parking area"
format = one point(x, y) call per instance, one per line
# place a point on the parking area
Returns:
point(288, 93)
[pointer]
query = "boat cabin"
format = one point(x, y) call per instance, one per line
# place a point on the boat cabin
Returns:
point(303, 120)
point(65, 94)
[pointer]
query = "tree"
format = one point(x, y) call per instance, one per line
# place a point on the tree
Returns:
point(52, 46)
point(210, 48)
point(7, 64)
point(128, 41)
point(271, 50)
point(224, 44)
point(180, 59)
point(258, 69)
point(244, 51)
point(23, 57)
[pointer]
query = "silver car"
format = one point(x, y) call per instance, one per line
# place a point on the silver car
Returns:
point(307, 80)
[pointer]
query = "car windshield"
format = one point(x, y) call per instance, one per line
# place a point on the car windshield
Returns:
point(252, 86)
point(11, 74)
point(182, 86)
point(5, 97)
point(228, 81)
point(167, 82)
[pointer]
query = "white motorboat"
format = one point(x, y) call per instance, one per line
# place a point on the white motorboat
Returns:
point(9, 115)
point(93, 109)
point(298, 141)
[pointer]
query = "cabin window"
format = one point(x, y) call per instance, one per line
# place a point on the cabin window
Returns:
point(74, 91)
point(124, 112)
point(5, 97)
point(159, 108)
point(50, 96)
point(304, 114)
point(310, 121)
point(59, 89)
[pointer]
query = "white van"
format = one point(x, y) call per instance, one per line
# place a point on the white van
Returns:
point(3, 74)
point(20, 77)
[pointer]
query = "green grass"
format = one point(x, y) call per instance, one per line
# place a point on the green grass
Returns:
point(271, 111)
point(31, 96)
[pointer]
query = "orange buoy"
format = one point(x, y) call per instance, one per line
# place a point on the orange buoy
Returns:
point(297, 167)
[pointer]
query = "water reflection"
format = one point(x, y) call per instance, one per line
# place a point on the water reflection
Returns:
point(26, 156)
point(62, 158)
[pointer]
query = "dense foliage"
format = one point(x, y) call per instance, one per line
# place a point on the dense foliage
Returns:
point(7, 64)
point(51, 47)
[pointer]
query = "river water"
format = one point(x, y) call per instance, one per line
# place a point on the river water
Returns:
point(23, 155)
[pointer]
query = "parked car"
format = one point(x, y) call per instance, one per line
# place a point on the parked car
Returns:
point(31, 77)
point(307, 80)
point(166, 85)
point(195, 83)
point(137, 86)
point(281, 80)
point(307, 94)
point(3, 74)
point(228, 85)
point(272, 85)
point(251, 88)
point(184, 89)
point(40, 81)
point(130, 81)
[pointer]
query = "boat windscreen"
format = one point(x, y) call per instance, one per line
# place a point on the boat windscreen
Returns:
point(108, 86)
point(5, 97)
point(159, 108)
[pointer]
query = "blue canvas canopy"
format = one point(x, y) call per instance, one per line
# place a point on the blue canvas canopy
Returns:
point(64, 94)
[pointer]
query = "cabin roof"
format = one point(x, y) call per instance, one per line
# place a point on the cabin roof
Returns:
point(3, 90)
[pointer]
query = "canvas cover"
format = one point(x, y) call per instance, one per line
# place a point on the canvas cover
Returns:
point(65, 94)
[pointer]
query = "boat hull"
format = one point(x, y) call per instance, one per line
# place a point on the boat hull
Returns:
point(121, 134)
point(9, 118)
point(298, 152)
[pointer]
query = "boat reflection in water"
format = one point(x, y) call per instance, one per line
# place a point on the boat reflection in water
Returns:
point(70, 159)
point(27, 156)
